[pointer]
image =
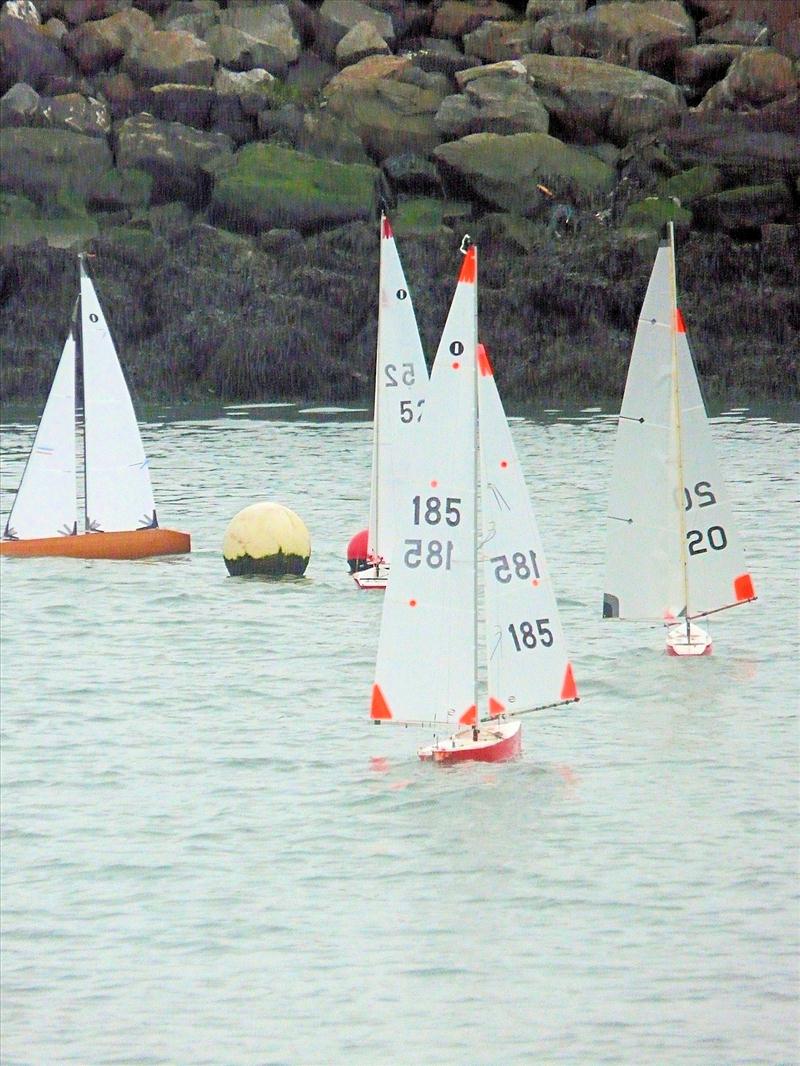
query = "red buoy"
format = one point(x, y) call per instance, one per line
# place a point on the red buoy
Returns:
point(357, 551)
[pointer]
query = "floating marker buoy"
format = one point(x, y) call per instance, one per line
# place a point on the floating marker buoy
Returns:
point(266, 538)
point(357, 551)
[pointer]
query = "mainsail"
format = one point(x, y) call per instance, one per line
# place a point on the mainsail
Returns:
point(401, 380)
point(426, 670)
point(118, 491)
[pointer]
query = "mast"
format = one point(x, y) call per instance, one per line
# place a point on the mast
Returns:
point(465, 244)
point(79, 361)
point(676, 406)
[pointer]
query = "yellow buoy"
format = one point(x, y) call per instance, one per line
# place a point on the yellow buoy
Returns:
point(266, 538)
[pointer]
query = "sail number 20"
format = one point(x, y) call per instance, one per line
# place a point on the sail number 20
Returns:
point(524, 635)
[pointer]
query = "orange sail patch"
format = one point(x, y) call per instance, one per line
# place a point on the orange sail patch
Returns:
point(379, 708)
point(469, 268)
point(743, 588)
point(470, 716)
point(484, 366)
point(495, 707)
point(680, 325)
point(569, 690)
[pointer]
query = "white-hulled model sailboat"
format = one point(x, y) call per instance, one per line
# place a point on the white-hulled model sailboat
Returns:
point(428, 653)
point(673, 554)
point(120, 512)
point(401, 380)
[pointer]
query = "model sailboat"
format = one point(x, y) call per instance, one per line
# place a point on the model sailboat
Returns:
point(120, 513)
point(401, 379)
point(429, 653)
point(673, 552)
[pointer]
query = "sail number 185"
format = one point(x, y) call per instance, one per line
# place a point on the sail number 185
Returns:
point(525, 636)
point(432, 509)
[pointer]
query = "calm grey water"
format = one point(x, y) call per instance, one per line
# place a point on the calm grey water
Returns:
point(210, 855)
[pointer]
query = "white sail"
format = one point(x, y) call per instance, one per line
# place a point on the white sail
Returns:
point(644, 576)
point(401, 380)
point(118, 491)
point(717, 575)
point(527, 655)
point(45, 505)
point(426, 669)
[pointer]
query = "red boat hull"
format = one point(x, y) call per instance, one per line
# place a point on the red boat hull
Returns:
point(136, 544)
point(497, 742)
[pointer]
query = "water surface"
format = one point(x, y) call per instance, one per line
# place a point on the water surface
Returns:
point(210, 856)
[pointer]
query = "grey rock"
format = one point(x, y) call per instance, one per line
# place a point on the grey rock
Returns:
point(337, 17)
point(19, 106)
point(80, 114)
point(361, 41)
point(174, 154)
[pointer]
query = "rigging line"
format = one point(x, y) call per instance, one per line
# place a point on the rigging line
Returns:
point(716, 610)
point(616, 518)
point(529, 710)
point(629, 418)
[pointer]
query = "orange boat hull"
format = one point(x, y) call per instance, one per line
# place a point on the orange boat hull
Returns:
point(136, 544)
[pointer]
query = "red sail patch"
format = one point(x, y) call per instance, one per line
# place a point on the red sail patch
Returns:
point(569, 690)
point(484, 366)
point(386, 229)
point(379, 708)
point(469, 268)
point(470, 716)
point(743, 588)
point(495, 707)
point(680, 325)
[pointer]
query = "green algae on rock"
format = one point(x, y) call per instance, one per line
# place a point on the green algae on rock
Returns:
point(266, 187)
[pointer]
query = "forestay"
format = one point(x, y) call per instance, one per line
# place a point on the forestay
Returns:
point(118, 491)
point(427, 648)
point(45, 505)
point(401, 380)
point(527, 655)
point(644, 562)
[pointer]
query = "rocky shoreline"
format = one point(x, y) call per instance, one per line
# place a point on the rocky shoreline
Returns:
point(224, 162)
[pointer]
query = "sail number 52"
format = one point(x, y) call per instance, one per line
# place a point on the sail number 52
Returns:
point(524, 635)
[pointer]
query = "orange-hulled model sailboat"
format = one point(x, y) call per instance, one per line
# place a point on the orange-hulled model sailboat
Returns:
point(120, 512)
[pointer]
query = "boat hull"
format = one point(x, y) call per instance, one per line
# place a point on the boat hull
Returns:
point(374, 578)
point(134, 544)
point(699, 642)
point(497, 742)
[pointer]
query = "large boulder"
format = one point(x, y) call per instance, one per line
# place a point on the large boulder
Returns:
point(80, 114)
point(176, 156)
point(194, 16)
point(191, 105)
point(361, 41)
point(539, 9)
point(322, 134)
point(380, 99)
point(494, 41)
point(736, 31)
point(454, 18)
point(169, 56)
point(756, 77)
point(596, 101)
point(507, 171)
point(42, 164)
point(495, 99)
point(99, 45)
point(700, 66)
point(25, 10)
point(19, 106)
point(267, 187)
point(440, 56)
point(255, 89)
point(636, 34)
point(338, 17)
point(271, 26)
point(748, 207)
point(743, 147)
point(29, 54)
